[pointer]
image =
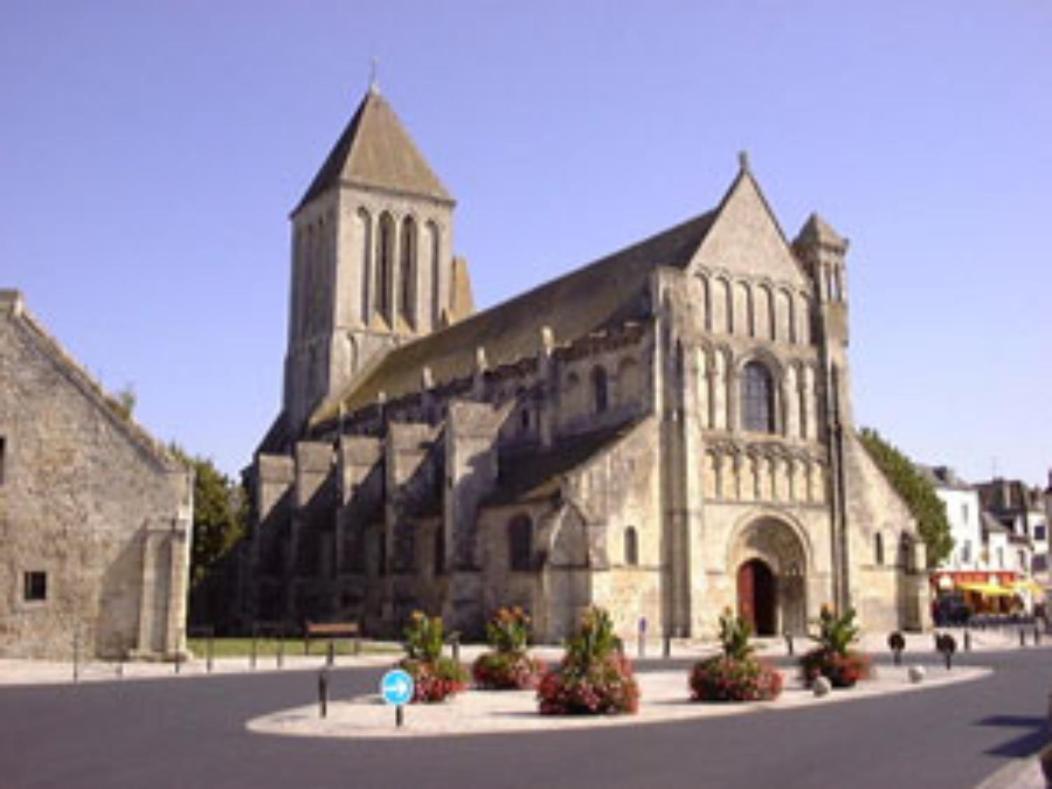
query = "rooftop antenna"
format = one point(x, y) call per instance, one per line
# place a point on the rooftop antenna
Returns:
point(374, 86)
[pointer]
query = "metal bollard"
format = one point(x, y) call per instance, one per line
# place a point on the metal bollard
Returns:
point(789, 644)
point(667, 647)
point(456, 647)
point(211, 652)
point(255, 649)
point(967, 641)
point(1022, 637)
point(330, 659)
point(323, 692)
point(399, 716)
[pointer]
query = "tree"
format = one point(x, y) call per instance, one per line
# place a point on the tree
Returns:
point(124, 401)
point(917, 492)
point(219, 514)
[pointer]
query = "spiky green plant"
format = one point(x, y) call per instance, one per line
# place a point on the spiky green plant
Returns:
point(734, 636)
point(836, 633)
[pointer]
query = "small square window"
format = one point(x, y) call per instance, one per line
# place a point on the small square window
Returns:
point(35, 586)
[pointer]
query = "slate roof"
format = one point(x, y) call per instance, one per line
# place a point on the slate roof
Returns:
point(604, 293)
point(528, 474)
point(375, 150)
point(991, 524)
point(817, 229)
point(942, 477)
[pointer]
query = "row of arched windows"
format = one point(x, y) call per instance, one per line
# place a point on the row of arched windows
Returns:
point(764, 311)
point(757, 396)
point(395, 274)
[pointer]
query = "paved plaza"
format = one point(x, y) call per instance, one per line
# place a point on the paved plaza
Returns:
point(195, 730)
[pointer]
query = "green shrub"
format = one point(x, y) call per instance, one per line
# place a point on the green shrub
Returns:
point(593, 677)
point(507, 666)
point(735, 675)
point(833, 658)
point(435, 677)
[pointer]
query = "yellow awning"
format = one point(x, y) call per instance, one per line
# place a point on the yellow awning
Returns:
point(1030, 585)
point(988, 590)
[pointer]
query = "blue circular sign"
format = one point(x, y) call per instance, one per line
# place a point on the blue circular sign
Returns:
point(397, 687)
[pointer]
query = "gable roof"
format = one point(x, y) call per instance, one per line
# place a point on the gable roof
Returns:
point(375, 150)
point(603, 293)
point(13, 307)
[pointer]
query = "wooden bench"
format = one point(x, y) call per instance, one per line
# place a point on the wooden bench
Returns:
point(331, 631)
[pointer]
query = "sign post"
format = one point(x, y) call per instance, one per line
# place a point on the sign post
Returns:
point(396, 688)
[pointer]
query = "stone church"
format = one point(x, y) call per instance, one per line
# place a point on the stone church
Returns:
point(665, 431)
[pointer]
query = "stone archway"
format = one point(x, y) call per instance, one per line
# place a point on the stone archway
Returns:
point(769, 559)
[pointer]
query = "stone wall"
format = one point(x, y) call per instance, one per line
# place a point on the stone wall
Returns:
point(90, 500)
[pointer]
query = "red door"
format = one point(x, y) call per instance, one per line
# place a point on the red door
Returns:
point(756, 596)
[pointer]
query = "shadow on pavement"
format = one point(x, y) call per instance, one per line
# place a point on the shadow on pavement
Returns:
point(1027, 743)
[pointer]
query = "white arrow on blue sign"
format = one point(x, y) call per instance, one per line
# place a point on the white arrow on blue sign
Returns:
point(396, 687)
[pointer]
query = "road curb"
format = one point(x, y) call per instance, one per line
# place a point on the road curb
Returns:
point(1017, 774)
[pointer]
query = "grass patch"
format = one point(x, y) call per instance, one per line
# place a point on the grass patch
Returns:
point(292, 647)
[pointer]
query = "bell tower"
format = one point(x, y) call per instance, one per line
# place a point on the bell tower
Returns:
point(372, 261)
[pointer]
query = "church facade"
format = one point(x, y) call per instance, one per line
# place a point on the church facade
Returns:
point(665, 432)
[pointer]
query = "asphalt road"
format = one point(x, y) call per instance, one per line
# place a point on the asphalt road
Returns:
point(189, 732)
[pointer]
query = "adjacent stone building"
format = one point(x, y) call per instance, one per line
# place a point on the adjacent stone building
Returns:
point(95, 516)
point(664, 432)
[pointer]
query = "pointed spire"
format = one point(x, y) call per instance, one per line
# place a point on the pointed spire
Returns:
point(743, 161)
point(376, 151)
point(817, 230)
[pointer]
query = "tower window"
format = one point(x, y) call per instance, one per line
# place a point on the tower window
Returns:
point(407, 272)
point(757, 398)
point(384, 264)
point(520, 543)
point(631, 547)
point(600, 390)
point(34, 586)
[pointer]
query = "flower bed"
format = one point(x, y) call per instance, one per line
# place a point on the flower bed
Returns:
point(593, 678)
point(842, 670)
point(435, 677)
point(833, 659)
point(721, 678)
point(435, 680)
point(507, 666)
point(735, 675)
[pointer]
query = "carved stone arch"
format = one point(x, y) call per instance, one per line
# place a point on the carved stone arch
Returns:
point(755, 516)
point(433, 235)
point(763, 311)
point(744, 318)
point(705, 297)
point(722, 304)
point(785, 312)
point(805, 307)
point(772, 541)
point(386, 263)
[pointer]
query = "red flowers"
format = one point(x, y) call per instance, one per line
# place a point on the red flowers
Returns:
point(723, 678)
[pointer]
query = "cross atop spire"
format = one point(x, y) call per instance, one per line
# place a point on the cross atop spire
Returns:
point(374, 85)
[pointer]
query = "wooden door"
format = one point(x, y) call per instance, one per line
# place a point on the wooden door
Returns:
point(756, 597)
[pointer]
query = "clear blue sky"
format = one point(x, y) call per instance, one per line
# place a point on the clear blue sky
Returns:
point(150, 154)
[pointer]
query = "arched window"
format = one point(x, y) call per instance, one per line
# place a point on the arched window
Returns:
point(757, 398)
point(439, 559)
point(407, 272)
point(878, 549)
point(383, 266)
point(631, 547)
point(520, 543)
point(365, 227)
point(600, 392)
point(906, 553)
point(436, 303)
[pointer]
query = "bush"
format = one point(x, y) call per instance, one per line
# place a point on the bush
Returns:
point(434, 677)
point(721, 678)
point(592, 678)
point(833, 658)
point(436, 680)
point(735, 675)
point(507, 667)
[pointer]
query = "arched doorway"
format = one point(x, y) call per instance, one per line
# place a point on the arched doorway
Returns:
point(757, 597)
